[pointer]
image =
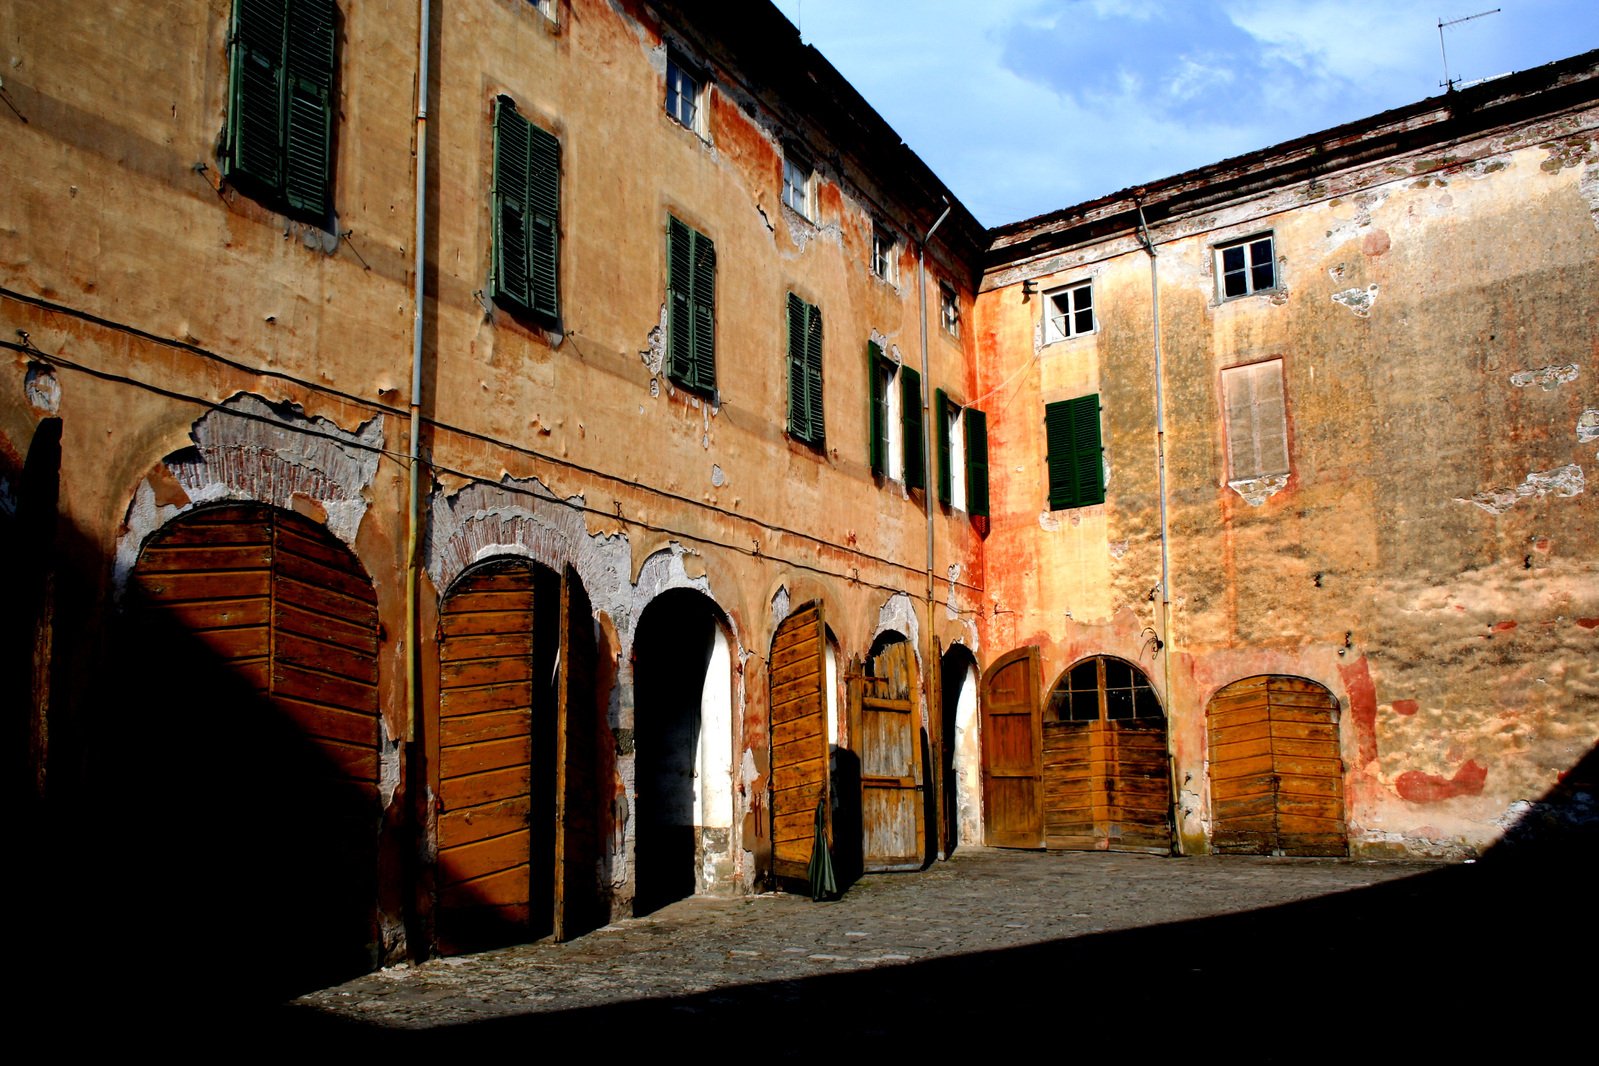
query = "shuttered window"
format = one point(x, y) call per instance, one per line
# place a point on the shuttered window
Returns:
point(1076, 466)
point(879, 373)
point(1257, 420)
point(805, 371)
point(526, 207)
point(279, 137)
point(691, 307)
point(962, 444)
point(911, 429)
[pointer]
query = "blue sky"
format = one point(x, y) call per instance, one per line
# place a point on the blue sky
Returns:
point(1026, 106)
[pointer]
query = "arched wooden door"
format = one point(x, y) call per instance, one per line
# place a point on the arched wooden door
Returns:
point(488, 711)
point(797, 732)
point(1013, 809)
point(1107, 777)
point(1276, 775)
point(885, 730)
point(267, 742)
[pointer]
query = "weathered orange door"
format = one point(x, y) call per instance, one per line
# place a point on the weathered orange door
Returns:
point(798, 738)
point(485, 738)
point(1013, 812)
point(279, 621)
point(1276, 775)
point(886, 732)
point(578, 902)
point(1107, 782)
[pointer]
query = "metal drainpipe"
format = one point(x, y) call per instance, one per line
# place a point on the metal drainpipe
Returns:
point(413, 681)
point(927, 493)
point(1160, 462)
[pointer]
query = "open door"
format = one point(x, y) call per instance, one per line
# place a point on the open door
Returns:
point(578, 906)
point(1013, 809)
point(798, 736)
point(886, 730)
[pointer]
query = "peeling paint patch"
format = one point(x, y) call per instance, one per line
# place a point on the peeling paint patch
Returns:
point(1048, 521)
point(522, 517)
point(1567, 153)
point(898, 613)
point(1257, 490)
point(1357, 300)
point(1118, 549)
point(1562, 481)
point(1406, 707)
point(1588, 186)
point(654, 351)
point(1588, 426)
point(1417, 787)
point(1547, 378)
point(780, 606)
point(250, 449)
point(950, 610)
point(42, 388)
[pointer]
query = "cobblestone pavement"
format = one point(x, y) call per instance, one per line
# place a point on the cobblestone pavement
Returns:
point(980, 902)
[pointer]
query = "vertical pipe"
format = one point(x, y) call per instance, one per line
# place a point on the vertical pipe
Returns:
point(413, 679)
point(930, 661)
point(1160, 465)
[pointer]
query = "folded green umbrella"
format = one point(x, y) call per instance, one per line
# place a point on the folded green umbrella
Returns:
point(820, 870)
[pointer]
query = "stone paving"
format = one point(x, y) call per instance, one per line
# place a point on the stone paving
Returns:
point(979, 903)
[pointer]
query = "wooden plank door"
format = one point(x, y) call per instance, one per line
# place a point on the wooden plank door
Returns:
point(1276, 775)
point(1012, 747)
point(1107, 778)
point(798, 736)
point(485, 734)
point(886, 732)
point(579, 906)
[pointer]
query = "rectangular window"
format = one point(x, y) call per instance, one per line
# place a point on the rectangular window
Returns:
point(896, 433)
point(1257, 420)
point(805, 372)
point(797, 181)
point(527, 205)
point(885, 253)
point(682, 92)
point(1068, 312)
point(691, 308)
point(962, 456)
point(949, 309)
point(278, 143)
point(1246, 266)
point(1076, 459)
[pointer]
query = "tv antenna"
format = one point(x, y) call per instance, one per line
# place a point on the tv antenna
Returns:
point(1448, 84)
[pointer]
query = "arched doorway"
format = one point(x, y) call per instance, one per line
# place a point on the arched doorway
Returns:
point(961, 803)
point(1276, 775)
point(886, 732)
point(1107, 776)
point(260, 753)
point(683, 731)
point(494, 761)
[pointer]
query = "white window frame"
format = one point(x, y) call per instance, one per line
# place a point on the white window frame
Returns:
point(1254, 407)
point(955, 418)
point(546, 8)
point(1064, 324)
point(885, 253)
point(893, 421)
point(680, 76)
point(798, 175)
point(949, 309)
point(1248, 263)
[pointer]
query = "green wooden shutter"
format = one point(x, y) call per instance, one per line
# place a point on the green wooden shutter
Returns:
point(798, 424)
point(976, 425)
point(543, 221)
point(704, 303)
point(510, 206)
point(308, 80)
point(876, 409)
point(679, 292)
point(813, 373)
point(910, 419)
point(1076, 465)
point(254, 146)
point(941, 435)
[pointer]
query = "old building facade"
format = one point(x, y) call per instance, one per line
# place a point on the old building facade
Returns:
point(489, 467)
